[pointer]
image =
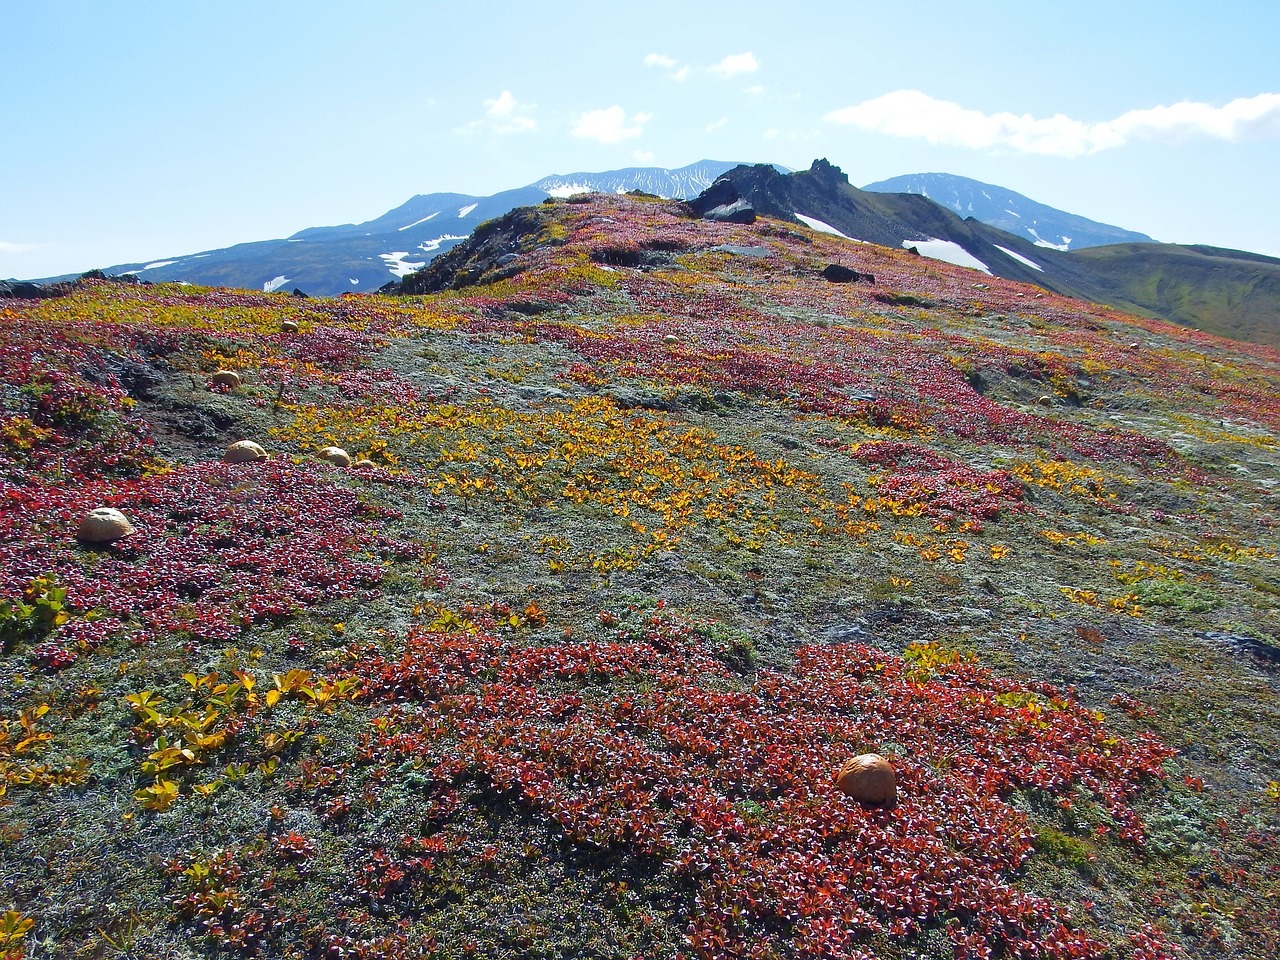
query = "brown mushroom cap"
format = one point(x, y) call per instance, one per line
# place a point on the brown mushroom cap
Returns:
point(104, 525)
point(244, 451)
point(337, 456)
point(869, 779)
point(226, 378)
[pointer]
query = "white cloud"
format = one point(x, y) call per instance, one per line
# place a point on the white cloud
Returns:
point(6, 247)
point(610, 125)
point(670, 64)
point(643, 156)
point(506, 114)
point(755, 90)
point(722, 122)
point(910, 113)
point(503, 115)
point(771, 133)
point(735, 64)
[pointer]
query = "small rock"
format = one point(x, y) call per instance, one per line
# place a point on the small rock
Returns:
point(670, 338)
point(364, 464)
point(869, 779)
point(337, 456)
point(104, 525)
point(244, 451)
point(226, 378)
point(288, 326)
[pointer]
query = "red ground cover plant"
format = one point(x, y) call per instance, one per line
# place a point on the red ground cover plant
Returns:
point(217, 549)
point(643, 741)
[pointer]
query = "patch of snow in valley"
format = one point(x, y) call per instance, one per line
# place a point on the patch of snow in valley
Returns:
point(159, 263)
point(423, 220)
point(1045, 243)
point(354, 281)
point(816, 224)
point(568, 190)
point(302, 240)
point(1020, 258)
point(398, 265)
point(948, 252)
point(271, 286)
point(1014, 213)
point(429, 246)
point(197, 256)
point(467, 209)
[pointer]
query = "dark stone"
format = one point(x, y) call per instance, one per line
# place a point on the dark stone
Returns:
point(299, 294)
point(1266, 652)
point(838, 273)
point(737, 212)
point(22, 290)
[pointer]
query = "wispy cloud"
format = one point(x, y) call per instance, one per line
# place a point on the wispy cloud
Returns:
point(730, 66)
point(722, 122)
point(910, 113)
point(610, 125)
point(503, 115)
point(735, 64)
point(675, 70)
point(6, 247)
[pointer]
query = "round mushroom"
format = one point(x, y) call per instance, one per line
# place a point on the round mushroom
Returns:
point(869, 779)
point(244, 451)
point(226, 378)
point(104, 525)
point(337, 456)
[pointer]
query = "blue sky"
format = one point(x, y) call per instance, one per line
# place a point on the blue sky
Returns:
point(142, 130)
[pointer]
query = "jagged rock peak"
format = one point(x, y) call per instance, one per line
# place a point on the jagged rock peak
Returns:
point(824, 169)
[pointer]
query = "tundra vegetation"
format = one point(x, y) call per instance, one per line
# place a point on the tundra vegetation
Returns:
point(642, 541)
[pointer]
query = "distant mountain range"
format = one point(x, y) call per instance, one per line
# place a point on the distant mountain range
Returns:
point(995, 206)
point(976, 224)
point(361, 257)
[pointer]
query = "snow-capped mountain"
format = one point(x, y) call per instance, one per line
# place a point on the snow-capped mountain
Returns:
point(1043, 225)
point(361, 257)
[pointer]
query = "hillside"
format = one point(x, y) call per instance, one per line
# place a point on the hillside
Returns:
point(650, 529)
point(1224, 292)
point(1007, 210)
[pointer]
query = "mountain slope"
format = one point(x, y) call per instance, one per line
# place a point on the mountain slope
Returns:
point(1223, 292)
point(1006, 210)
point(361, 257)
point(641, 545)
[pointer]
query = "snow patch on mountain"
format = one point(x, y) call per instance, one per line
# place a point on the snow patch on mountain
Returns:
point(568, 190)
point(467, 209)
point(1019, 257)
point(430, 246)
point(815, 224)
point(271, 286)
point(1065, 245)
point(947, 251)
point(398, 265)
point(159, 263)
point(423, 220)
